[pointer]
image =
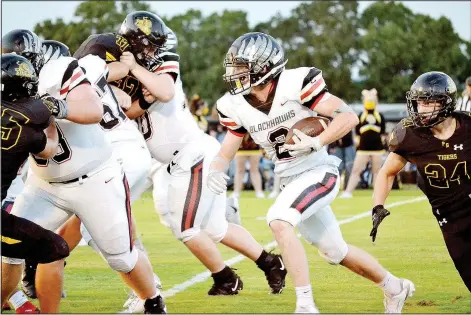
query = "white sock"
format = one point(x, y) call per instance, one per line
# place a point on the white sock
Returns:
point(18, 299)
point(304, 296)
point(391, 285)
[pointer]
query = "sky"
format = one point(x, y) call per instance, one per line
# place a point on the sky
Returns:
point(32, 12)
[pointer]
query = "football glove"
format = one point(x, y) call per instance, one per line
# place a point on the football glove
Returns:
point(217, 181)
point(58, 108)
point(303, 144)
point(377, 215)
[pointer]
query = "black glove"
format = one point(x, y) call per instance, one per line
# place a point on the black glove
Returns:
point(57, 107)
point(377, 215)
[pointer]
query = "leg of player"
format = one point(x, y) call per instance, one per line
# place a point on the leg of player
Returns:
point(323, 231)
point(376, 162)
point(240, 161)
point(358, 166)
point(11, 275)
point(295, 260)
point(255, 176)
point(49, 278)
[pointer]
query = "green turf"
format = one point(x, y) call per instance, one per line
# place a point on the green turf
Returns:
point(409, 244)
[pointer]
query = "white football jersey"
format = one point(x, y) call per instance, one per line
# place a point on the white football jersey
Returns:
point(297, 93)
point(168, 127)
point(117, 125)
point(82, 148)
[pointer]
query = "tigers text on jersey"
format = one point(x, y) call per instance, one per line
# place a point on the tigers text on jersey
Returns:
point(168, 127)
point(444, 166)
point(117, 125)
point(82, 148)
point(297, 93)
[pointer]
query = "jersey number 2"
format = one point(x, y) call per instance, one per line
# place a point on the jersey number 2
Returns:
point(277, 139)
point(64, 153)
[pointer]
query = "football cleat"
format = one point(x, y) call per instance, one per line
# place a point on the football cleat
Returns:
point(27, 308)
point(230, 286)
point(276, 274)
point(307, 309)
point(155, 306)
point(136, 305)
point(394, 304)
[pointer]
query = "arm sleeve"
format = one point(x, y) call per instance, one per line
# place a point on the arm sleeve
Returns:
point(74, 75)
point(231, 123)
point(313, 88)
point(38, 141)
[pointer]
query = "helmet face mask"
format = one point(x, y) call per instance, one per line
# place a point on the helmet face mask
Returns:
point(19, 78)
point(147, 35)
point(253, 59)
point(431, 99)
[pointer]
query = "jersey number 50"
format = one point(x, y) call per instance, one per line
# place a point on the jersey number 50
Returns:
point(64, 153)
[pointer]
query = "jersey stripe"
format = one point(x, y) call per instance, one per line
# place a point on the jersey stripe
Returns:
point(312, 89)
point(77, 78)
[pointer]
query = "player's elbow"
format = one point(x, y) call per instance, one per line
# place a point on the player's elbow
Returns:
point(167, 96)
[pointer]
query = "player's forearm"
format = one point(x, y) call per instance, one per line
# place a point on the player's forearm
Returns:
point(52, 141)
point(226, 154)
point(161, 86)
point(84, 106)
point(382, 187)
point(342, 124)
point(117, 71)
point(135, 110)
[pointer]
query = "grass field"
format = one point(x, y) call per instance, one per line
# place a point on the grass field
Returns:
point(409, 244)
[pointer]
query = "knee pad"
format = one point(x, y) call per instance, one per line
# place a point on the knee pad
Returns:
point(289, 215)
point(124, 262)
point(334, 254)
point(217, 233)
point(186, 235)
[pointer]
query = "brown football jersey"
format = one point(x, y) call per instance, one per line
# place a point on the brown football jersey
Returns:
point(444, 166)
point(110, 47)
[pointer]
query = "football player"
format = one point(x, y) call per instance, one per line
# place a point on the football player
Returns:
point(27, 127)
point(195, 215)
point(438, 141)
point(83, 167)
point(266, 100)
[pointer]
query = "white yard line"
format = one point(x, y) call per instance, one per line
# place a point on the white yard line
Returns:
point(201, 277)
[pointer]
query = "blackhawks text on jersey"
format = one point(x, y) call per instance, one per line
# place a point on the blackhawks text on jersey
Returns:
point(297, 93)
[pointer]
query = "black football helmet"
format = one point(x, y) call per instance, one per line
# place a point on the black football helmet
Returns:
point(24, 43)
point(52, 49)
point(19, 79)
point(253, 59)
point(147, 35)
point(431, 86)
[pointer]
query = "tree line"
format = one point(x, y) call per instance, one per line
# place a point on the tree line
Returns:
point(387, 43)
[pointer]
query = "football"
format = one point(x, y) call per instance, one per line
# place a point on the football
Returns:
point(312, 126)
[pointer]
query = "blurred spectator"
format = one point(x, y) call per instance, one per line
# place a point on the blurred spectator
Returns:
point(249, 152)
point(371, 130)
point(199, 109)
point(464, 102)
point(344, 149)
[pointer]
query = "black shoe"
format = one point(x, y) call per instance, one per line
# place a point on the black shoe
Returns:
point(28, 280)
point(276, 274)
point(229, 286)
point(155, 306)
